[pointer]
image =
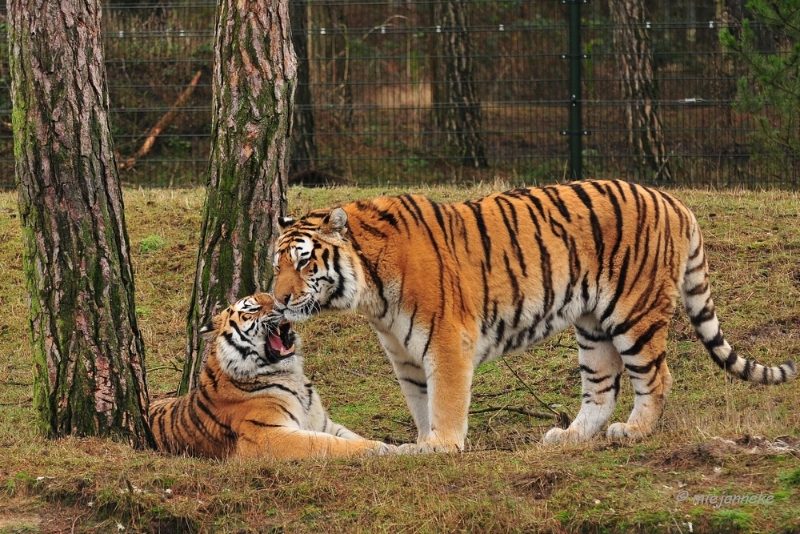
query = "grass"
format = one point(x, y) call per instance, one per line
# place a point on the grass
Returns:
point(718, 437)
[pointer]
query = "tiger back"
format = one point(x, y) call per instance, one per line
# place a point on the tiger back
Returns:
point(252, 399)
point(448, 286)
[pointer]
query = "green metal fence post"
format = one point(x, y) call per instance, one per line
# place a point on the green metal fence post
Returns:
point(575, 130)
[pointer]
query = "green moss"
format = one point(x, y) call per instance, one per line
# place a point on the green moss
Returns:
point(152, 243)
point(790, 479)
point(732, 520)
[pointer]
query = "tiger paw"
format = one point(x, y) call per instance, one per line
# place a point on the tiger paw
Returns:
point(557, 435)
point(382, 449)
point(426, 447)
point(624, 431)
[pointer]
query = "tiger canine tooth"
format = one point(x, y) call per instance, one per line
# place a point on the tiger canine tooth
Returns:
point(285, 351)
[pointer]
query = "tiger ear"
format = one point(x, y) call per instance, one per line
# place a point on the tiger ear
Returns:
point(284, 223)
point(209, 330)
point(337, 221)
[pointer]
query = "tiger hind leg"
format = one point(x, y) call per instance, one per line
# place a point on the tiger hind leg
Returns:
point(643, 352)
point(601, 370)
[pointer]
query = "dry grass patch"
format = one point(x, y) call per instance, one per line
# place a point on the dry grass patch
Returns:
point(717, 436)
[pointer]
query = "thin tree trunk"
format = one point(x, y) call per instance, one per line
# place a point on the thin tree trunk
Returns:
point(304, 149)
point(456, 105)
point(89, 355)
point(253, 84)
point(338, 50)
point(635, 61)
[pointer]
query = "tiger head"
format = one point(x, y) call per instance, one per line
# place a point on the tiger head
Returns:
point(315, 265)
point(252, 339)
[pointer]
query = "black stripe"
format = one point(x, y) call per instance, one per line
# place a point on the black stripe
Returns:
point(646, 368)
point(618, 241)
point(405, 201)
point(487, 245)
point(410, 326)
point(555, 199)
point(605, 389)
point(655, 204)
point(420, 385)
point(290, 414)
point(211, 376)
point(485, 280)
point(388, 217)
point(641, 213)
point(623, 273)
point(699, 289)
point(435, 246)
point(263, 425)
point(697, 251)
point(618, 185)
point(636, 348)
point(717, 341)
point(589, 336)
point(430, 336)
point(372, 271)
point(598, 380)
point(197, 421)
point(512, 232)
point(515, 292)
point(372, 230)
point(597, 231)
point(213, 417)
point(706, 314)
point(501, 330)
point(748, 368)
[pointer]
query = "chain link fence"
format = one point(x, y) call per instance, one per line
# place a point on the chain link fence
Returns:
point(405, 91)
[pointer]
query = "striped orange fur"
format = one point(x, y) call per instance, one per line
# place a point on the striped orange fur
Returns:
point(448, 286)
point(252, 399)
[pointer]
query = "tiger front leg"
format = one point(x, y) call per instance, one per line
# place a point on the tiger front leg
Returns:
point(413, 380)
point(285, 443)
point(449, 381)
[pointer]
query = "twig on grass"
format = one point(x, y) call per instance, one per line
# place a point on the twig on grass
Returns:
point(523, 411)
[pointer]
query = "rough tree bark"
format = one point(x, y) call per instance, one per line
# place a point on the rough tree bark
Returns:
point(635, 62)
point(253, 84)
point(88, 353)
point(304, 149)
point(457, 109)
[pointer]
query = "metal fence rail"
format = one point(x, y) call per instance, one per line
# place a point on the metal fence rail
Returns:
point(375, 93)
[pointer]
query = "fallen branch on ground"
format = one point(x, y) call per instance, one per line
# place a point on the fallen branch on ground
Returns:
point(156, 130)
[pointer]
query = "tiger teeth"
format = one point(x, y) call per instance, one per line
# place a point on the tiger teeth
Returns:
point(285, 351)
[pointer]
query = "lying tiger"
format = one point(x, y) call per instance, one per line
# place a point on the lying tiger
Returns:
point(253, 400)
point(450, 286)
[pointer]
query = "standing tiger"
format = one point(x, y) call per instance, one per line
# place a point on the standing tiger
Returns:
point(450, 286)
point(252, 400)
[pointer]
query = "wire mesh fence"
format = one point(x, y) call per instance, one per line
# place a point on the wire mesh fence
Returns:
point(381, 95)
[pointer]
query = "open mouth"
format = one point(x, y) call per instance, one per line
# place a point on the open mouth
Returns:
point(281, 340)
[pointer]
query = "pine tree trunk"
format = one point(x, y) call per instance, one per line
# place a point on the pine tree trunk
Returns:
point(89, 355)
point(635, 61)
point(253, 84)
point(456, 105)
point(304, 149)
